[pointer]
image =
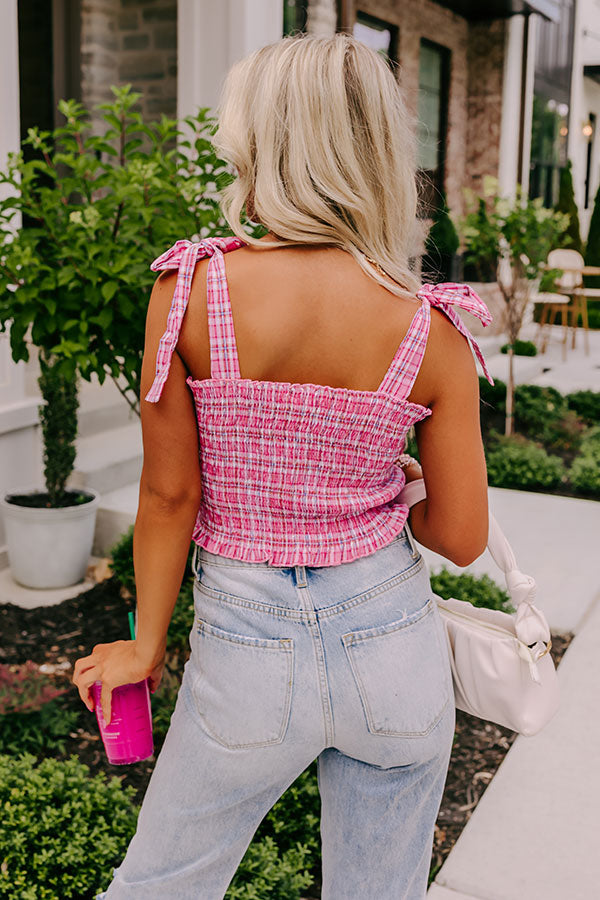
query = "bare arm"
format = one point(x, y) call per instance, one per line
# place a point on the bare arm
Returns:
point(453, 520)
point(170, 487)
point(170, 491)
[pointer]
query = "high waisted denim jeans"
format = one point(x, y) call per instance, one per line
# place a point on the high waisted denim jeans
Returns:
point(347, 664)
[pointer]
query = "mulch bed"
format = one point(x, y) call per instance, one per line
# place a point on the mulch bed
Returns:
point(62, 633)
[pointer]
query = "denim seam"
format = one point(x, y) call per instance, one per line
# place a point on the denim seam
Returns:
point(317, 639)
point(203, 627)
point(304, 615)
point(364, 634)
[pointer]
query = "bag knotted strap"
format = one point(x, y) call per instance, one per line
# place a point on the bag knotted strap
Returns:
point(531, 626)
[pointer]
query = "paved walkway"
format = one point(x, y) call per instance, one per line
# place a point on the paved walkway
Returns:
point(534, 834)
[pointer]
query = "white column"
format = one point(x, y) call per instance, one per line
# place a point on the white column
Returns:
point(528, 101)
point(511, 105)
point(20, 457)
point(211, 37)
point(322, 18)
point(12, 376)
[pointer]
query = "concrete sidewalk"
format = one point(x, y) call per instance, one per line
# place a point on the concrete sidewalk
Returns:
point(534, 833)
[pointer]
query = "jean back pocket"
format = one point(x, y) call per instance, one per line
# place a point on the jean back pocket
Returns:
point(242, 687)
point(402, 673)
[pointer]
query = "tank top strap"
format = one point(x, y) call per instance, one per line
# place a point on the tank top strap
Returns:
point(183, 256)
point(401, 375)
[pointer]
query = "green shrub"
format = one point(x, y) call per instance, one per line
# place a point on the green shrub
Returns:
point(535, 407)
point(515, 462)
point(183, 614)
point(38, 731)
point(294, 819)
point(564, 435)
point(24, 688)
point(586, 404)
point(566, 204)
point(590, 443)
point(584, 474)
point(592, 248)
point(521, 348)
point(481, 591)
point(265, 874)
point(286, 846)
point(58, 418)
point(121, 556)
point(163, 704)
point(493, 394)
point(62, 832)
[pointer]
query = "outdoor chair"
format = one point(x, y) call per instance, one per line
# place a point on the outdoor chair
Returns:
point(565, 299)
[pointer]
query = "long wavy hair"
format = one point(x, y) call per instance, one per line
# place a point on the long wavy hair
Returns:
point(324, 149)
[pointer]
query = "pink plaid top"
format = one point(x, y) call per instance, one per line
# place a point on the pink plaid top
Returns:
point(298, 474)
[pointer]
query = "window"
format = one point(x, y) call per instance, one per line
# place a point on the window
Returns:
point(294, 16)
point(378, 35)
point(434, 72)
point(589, 131)
point(552, 90)
point(549, 132)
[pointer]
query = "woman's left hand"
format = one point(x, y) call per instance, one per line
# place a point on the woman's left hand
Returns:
point(114, 664)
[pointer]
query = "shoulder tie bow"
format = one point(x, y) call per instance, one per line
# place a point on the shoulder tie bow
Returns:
point(448, 294)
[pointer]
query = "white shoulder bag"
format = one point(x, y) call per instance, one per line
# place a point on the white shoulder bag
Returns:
point(502, 670)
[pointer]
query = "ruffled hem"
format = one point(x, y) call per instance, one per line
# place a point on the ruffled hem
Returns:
point(329, 548)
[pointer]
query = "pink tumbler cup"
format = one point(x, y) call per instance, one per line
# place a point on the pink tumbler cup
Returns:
point(128, 738)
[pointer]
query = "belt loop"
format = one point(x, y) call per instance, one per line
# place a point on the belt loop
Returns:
point(301, 576)
point(195, 560)
point(411, 541)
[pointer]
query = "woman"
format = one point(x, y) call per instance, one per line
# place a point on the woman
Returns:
point(316, 635)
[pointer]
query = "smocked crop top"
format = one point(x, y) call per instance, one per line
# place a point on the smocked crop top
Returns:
point(298, 474)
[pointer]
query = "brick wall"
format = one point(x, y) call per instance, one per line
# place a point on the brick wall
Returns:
point(130, 42)
point(475, 90)
point(484, 103)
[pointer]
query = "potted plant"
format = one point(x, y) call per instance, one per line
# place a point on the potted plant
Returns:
point(75, 280)
point(517, 234)
point(441, 262)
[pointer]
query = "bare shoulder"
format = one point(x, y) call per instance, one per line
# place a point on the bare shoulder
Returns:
point(448, 365)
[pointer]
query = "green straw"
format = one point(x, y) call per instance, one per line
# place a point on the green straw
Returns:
point(131, 625)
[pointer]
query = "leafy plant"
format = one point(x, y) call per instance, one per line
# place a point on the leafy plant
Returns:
point(100, 207)
point(38, 731)
point(61, 831)
point(265, 874)
point(121, 560)
point(566, 204)
point(58, 418)
point(183, 614)
point(481, 591)
point(516, 462)
point(286, 847)
point(520, 348)
point(592, 249)
point(441, 244)
point(535, 406)
point(23, 688)
point(584, 474)
point(33, 717)
point(518, 234)
point(586, 404)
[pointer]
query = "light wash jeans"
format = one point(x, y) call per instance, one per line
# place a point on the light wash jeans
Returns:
point(347, 664)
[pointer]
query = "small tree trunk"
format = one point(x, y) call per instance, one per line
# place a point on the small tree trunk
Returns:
point(510, 393)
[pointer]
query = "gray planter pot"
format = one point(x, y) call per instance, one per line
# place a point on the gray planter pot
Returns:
point(49, 548)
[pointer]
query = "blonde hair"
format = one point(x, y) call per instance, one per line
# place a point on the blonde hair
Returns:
point(325, 151)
